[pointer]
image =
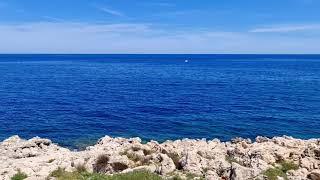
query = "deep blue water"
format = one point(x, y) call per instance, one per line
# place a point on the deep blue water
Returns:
point(76, 99)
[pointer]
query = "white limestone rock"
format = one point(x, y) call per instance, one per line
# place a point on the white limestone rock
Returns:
point(211, 159)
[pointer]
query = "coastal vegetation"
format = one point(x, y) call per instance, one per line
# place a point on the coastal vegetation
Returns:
point(19, 176)
point(122, 159)
point(280, 170)
point(61, 174)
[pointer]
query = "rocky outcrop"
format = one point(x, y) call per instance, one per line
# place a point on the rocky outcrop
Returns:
point(236, 160)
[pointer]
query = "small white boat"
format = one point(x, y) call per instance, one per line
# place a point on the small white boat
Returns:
point(186, 61)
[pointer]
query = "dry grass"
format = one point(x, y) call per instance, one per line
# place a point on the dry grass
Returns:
point(101, 164)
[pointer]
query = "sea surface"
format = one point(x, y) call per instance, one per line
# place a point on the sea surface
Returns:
point(76, 99)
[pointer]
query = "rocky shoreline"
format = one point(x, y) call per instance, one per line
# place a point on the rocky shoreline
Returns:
point(238, 159)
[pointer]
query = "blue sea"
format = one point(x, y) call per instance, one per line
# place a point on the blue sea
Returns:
point(76, 99)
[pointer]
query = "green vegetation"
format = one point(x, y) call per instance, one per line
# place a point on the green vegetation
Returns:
point(231, 159)
point(61, 174)
point(288, 165)
point(57, 173)
point(274, 173)
point(176, 177)
point(132, 156)
point(280, 171)
point(191, 176)
point(19, 176)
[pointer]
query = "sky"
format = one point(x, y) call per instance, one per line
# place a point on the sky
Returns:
point(160, 26)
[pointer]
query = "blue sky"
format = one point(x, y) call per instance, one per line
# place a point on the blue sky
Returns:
point(163, 26)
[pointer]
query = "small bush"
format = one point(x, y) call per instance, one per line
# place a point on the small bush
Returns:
point(274, 173)
point(19, 176)
point(280, 171)
point(136, 158)
point(191, 176)
point(137, 175)
point(133, 157)
point(176, 177)
point(118, 167)
point(231, 159)
point(101, 164)
point(57, 173)
point(61, 174)
point(288, 165)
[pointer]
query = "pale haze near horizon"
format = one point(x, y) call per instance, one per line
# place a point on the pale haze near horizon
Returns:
point(289, 26)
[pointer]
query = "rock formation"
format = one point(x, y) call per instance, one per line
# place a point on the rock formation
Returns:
point(236, 160)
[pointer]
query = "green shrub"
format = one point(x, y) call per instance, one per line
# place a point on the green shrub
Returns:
point(176, 177)
point(230, 159)
point(19, 176)
point(58, 172)
point(281, 170)
point(191, 176)
point(274, 173)
point(288, 165)
point(61, 174)
point(137, 175)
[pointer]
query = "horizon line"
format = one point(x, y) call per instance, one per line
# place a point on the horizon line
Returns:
point(159, 53)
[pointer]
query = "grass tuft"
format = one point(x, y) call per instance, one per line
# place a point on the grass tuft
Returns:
point(137, 175)
point(288, 165)
point(101, 164)
point(274, 173)
point(118, 167)
point(191, 176)
point(231, 159)
point(19, 176)
point(285, 166)
point(135, 158)
point(176, 177)
point(58, 172)
point(81, 168)
point(61, 174)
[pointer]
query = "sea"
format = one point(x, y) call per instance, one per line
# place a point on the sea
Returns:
point(76, 99)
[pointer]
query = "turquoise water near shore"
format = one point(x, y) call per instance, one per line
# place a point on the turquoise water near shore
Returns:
point(76, 99)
